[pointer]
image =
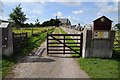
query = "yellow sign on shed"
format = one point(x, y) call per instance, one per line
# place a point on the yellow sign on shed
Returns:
point(101, 34)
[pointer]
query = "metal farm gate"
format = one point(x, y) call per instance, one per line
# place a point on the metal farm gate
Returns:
point(64, 43)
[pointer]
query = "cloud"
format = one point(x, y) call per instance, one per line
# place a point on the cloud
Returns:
point(36, 11)
point(43, 1)
point(74, 20)
point(4, 18)
point(77, 12)
point(69, 17)
point(31, 19)
point(33, 8)
point(1, 9)
point(59, 14)
point(99, 14)
point(71, 3)
point(104, 8)
point(67, 2)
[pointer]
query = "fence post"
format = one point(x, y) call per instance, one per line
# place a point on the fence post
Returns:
point(47, 44)
point(13, 41)
point(20, 37)
point(26, 38)
point(81, 44)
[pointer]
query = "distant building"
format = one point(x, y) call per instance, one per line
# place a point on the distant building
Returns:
point(64, 22)
point(2, 21)
point(72, 26)
point(78, 27)
point(88, 26)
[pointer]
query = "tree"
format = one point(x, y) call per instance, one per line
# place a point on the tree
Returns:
point(31, 24)
point(57, 22)
point(37, 23)
point(51, 22)
point(17, 16)
point(118, 26)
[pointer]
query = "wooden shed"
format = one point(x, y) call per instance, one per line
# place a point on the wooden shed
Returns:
point(102, 23)
point(6, 43)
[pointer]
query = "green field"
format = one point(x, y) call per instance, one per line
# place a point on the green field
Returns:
point(33, 43)
point(56, 32)
point(36, 30)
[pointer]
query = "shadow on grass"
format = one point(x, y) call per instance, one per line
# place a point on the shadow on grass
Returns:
point(116, 55)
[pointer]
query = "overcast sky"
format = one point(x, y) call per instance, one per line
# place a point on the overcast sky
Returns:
point(75, 11)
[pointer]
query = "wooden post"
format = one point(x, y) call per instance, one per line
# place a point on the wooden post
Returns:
point(20, 39)
point(81, 44)
point(13, 42)
point(26, 38)
point(47, 44)
point(32, 31)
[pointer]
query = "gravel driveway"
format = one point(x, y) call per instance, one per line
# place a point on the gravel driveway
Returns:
point(52, 66)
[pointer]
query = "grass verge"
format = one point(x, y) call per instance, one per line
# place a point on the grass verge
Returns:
point(101, 69)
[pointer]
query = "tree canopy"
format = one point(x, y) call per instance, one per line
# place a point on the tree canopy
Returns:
point(17, 16)
point(51, 22)
point(37, 23)
point(118, 26)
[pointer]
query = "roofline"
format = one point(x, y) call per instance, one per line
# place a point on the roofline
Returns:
point(62, 18)
point(101, 17)
point(4, 20)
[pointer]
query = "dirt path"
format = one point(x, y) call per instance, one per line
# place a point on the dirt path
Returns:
point(52, 66)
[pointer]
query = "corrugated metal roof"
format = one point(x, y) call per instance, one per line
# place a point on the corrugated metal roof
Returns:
point(4, 25)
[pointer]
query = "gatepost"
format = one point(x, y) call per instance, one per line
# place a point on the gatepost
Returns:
point(6, 43)
point(98, 41)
